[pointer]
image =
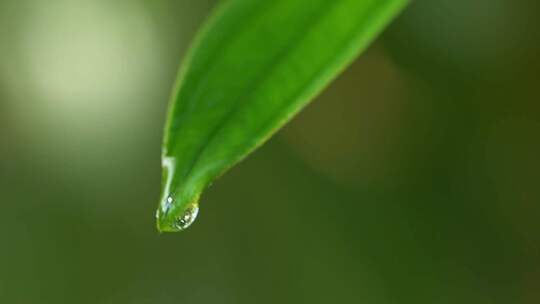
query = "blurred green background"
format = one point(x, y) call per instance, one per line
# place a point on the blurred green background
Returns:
point(414, 178)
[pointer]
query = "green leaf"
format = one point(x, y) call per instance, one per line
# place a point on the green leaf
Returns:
point(252, 67)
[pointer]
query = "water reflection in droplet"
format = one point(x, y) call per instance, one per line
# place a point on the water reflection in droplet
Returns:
point(187, 218)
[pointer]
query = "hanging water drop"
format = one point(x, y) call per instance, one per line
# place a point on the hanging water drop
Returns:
point(187, 218)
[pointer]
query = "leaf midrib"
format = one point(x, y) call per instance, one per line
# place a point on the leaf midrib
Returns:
point(295, 40)
point(208, 65)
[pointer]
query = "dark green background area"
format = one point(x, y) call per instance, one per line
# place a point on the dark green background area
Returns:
point(414, 178)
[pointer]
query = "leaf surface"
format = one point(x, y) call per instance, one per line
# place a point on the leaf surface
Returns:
point(252, 67)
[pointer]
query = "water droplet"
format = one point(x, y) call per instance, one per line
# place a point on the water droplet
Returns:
point(187, 218)
point(165, 207)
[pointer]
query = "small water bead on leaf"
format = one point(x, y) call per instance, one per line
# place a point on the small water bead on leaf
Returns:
point(168, 204)
point(187, 218)
point(164, 208)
